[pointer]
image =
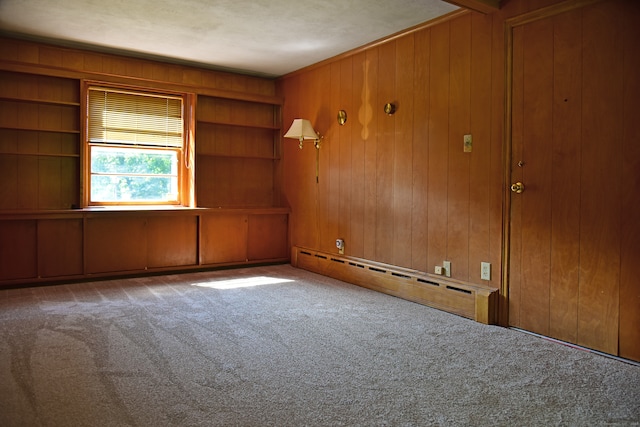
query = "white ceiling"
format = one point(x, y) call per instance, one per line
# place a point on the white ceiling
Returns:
point(261, 37)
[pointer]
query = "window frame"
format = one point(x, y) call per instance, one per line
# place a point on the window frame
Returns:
point(185, 154)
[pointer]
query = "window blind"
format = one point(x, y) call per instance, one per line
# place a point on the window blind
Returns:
point(132, 118)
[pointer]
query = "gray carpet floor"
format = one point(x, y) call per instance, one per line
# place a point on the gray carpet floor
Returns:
point(279, 346)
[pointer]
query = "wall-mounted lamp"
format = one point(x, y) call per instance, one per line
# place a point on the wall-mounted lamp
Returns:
point(301, 129)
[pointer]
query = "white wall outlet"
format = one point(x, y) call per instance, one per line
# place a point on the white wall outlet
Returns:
point(446, 265)
point(485, 270)
point(340, 245)
point(439, 270)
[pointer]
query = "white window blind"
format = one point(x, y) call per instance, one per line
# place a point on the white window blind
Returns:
point(129, 118)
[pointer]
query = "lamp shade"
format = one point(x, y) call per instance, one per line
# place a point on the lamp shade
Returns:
point(301, 129)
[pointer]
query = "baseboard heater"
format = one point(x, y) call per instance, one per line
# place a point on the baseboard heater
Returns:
point(475, 302)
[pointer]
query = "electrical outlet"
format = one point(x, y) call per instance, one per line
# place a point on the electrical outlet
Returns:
point(485, 271)
point(438, 270)
point(446, 265)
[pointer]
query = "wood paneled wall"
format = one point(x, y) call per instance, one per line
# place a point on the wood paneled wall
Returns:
point(399, 189)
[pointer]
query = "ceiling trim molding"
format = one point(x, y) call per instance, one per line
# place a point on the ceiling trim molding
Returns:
point(483, 6)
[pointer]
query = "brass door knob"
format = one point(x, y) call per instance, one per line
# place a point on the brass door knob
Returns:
point(518, 187)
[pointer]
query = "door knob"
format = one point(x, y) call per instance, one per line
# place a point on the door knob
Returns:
point(518, 187)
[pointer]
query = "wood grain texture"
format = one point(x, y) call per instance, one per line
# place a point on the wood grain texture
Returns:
point(515, 215)
point(480, 185)
point(565, 231)
point(420, 150)
point(223, 238)
point(458, 184)
point(115, 244)
point(403, 152)
point(267, 237)
point(172, 241)
point(385, 156)
point(536, 156)
point(18, 249)
point(437, 168)
point(600, 185)
point(629, 339)
point(60, 247)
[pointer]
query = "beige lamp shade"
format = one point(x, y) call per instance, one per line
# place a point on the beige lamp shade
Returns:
point(301, 129)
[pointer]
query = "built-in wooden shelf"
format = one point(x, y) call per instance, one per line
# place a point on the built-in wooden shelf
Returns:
point(36, 129)
point(21, 153)
point(40, 101)
point(244, 125)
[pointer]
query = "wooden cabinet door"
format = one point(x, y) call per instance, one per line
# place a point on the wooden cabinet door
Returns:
point(570, 271)
point(223, 238)
point(18, 254)
point(116, 244)
point(267, 237)
point(59, 247)
point(171, 241)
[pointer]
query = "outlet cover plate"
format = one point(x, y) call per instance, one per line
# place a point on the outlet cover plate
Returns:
point(447, 268)
point(485, 270)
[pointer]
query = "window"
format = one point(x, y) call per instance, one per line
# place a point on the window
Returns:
point(135, 150)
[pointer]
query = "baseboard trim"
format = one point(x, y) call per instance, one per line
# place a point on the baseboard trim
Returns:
point(475, 302)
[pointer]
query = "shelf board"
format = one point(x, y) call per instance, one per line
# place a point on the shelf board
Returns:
point(41, 101)
point(245, 125)
point(17, 153)
point(230, 156)
point(41, 129)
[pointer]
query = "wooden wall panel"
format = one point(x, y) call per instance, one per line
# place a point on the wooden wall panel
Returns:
point(346, 102)
point(480, 173)
point(437, 170)
point(331, 148)
point(323, 119)
point(458, 187)
point(385, 156)
point(598, 312)
point(372, 105)
point(403, 152)
point(360, 111)
point(420, 150)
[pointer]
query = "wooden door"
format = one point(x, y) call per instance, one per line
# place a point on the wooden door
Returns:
point(573, 248)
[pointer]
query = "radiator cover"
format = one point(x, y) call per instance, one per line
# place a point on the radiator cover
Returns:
point(475, 302)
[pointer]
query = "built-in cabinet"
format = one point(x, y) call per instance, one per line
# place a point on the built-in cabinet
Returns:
point(46, 235)
point(67, 245)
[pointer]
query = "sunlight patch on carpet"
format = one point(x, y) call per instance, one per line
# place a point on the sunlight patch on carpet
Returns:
point(245, 282)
